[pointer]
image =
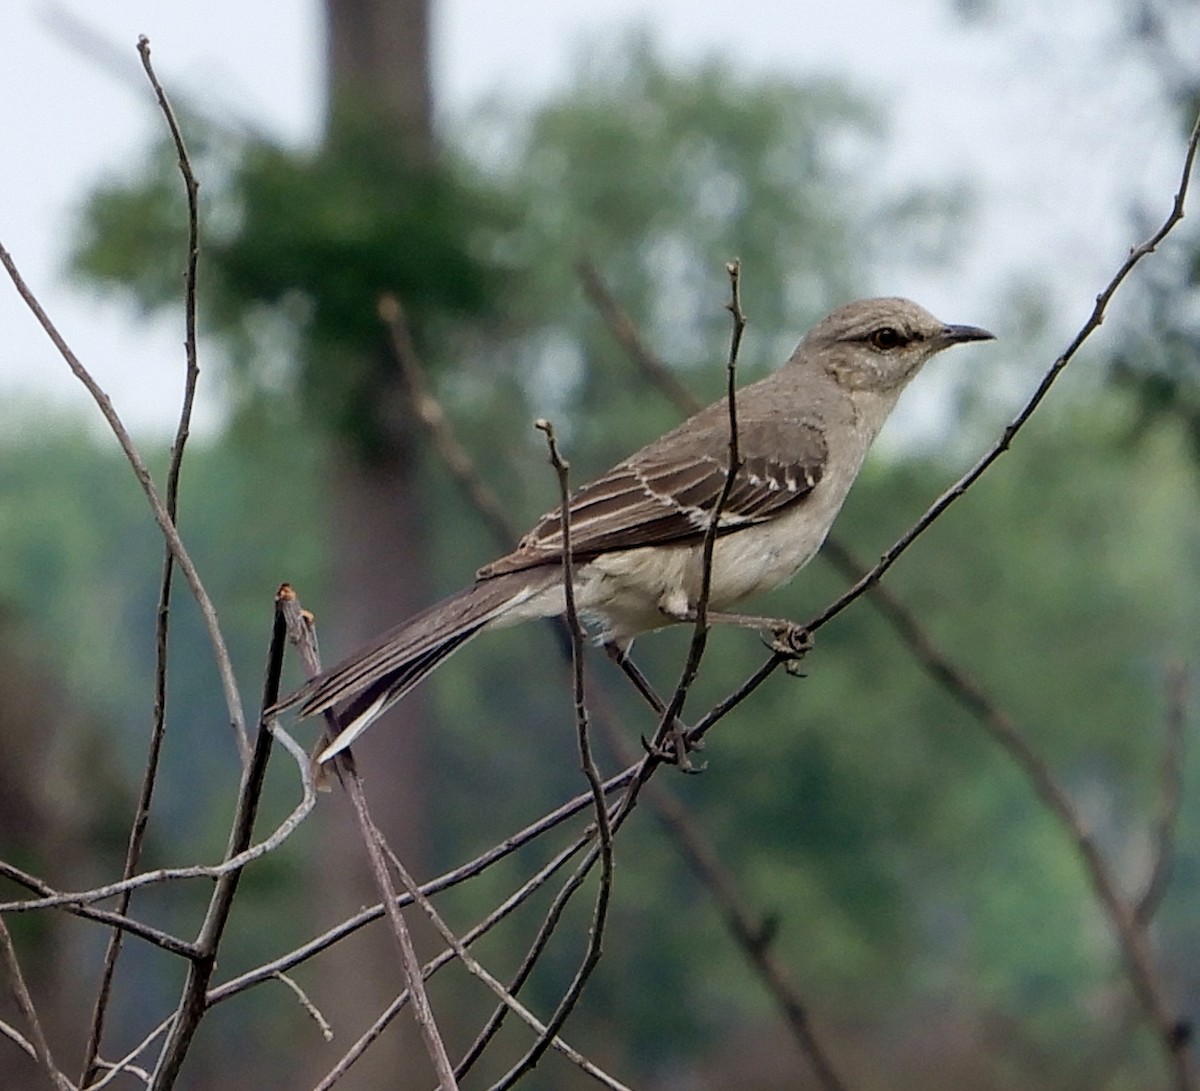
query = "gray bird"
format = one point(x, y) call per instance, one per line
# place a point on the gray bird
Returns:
point(637, 531)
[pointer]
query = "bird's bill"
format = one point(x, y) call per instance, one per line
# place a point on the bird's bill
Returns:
point(954, 335)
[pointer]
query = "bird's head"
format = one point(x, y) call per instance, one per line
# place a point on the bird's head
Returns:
point(879, 344)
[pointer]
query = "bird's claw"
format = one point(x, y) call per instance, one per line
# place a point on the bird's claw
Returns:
point(790, 641)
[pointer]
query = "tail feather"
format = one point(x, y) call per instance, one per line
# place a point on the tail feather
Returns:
point(377, 676)
point(380, 695)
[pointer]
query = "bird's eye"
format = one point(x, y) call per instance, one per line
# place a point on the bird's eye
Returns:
point(886, 337)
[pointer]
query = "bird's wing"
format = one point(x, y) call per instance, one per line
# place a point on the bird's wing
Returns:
point(666, 493)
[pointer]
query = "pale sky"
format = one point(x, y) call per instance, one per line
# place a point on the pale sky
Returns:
point(1057, 134)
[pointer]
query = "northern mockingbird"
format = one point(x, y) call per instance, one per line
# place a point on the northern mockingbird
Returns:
point(637, 532)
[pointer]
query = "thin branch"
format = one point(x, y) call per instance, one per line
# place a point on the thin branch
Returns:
point(622, 327)
point(430, 415)
point(75, 901)
point(125, 1064)
point(448, 879)
point(375, 845)
point(212, 625)
point(477, 970)
point(52, 898)
point(191, 1005)
point(24, 1002)
point(517, 898)
point(1170, 796)
point(133, 852)
point(314, 1013)
point(700, 632)
point(302, 633)
point(13, 1035)
point(1131, 938)
point(1048, 379)
point(603, 827)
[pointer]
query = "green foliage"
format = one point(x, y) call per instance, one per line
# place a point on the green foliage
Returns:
point(659, 177)
point(298, 247)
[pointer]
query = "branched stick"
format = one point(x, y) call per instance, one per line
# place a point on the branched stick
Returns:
point(126, 1063)
point(1089, 327)
point(517, 898)
point(77, 901)
point(459, 947)
point(68, 903)
point(133, 852)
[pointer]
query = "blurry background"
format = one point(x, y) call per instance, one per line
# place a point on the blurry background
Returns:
point(991, 160)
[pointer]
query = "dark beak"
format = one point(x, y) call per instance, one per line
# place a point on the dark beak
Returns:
point(956, 335)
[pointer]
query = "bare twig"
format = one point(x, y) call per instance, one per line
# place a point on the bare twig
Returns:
point(1131, 938)
point(191, 1005)
point(429, 413)
point(459, 948)
point(1093, 322)
point(13, 1035)
point(621, 326)
point(126, 1063)
point(700, 632)
point(212, 625)
point(602, 824)
point(1170, 795)
point(77, 901)
point(517, 898)
point(51, 898)
point(24, 1002)
point(133, 852)
point(302, 633)
point(376, 852)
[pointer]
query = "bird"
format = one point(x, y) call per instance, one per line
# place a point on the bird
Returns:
point(637, 531)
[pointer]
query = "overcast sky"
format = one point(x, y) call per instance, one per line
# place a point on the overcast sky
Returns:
point(1056, 131)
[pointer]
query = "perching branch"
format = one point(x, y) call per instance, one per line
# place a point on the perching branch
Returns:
point(1001, 445)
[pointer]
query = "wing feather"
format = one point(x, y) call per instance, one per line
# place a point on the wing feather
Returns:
point(666, 493)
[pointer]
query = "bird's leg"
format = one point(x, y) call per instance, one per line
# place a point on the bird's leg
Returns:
point(789, 639)
point(680, 745)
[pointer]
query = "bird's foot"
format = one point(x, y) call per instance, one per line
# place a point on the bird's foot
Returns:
point(791, 642)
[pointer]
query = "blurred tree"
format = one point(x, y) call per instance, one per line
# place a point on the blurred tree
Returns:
point(1158, 363)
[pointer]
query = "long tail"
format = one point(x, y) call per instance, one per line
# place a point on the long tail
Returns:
point(375, 677)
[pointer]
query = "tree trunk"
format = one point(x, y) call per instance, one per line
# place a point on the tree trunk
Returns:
point(378, 62)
